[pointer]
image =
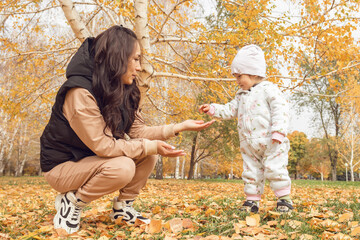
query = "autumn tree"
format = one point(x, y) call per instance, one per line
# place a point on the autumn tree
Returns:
point(298, 148)
point(180, 53)
point(349, 145)
point(317, 160)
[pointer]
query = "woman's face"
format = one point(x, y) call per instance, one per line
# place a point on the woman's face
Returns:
point(133, 66)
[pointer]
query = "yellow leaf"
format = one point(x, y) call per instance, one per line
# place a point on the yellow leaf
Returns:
point(294, 224)
point(155, 226)
point(209, 212)
point(156, 210)
point(61, 232)
point(306, 237)
point(169, 238)
point(46, 228)
point(176, 225)
point(253, 220)
point(103, 238)
point(239, 225)
point(190, 208)
point(346, 217)
point(355, 231)
point(188, 224)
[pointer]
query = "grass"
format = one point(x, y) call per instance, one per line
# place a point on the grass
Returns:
point(26, 210)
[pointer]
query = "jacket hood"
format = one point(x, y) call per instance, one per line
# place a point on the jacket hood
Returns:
point(82, 63)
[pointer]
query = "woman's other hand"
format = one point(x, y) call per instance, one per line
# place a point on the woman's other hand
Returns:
point(167, 150)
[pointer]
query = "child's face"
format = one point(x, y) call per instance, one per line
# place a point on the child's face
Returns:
point(244, 81)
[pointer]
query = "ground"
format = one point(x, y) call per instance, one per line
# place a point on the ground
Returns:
point(182, 209)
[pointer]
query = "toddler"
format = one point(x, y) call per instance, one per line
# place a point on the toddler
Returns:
point(262, 115)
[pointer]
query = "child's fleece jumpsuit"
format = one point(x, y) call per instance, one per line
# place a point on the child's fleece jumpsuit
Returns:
point(262, 114)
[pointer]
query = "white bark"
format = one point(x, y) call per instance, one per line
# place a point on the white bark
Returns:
point(74, 19)
point(7, 146)
point(2, 160)
point(177, 168)
point(350, 151)
point(142, 32)
point(183, 169)
point(196, 171)
point(20, 163)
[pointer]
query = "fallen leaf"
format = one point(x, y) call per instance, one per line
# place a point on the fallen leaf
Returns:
point(346, 217)
point(355, 231)
point(46, 228)
point(306, 237)
point(327, 235)
point(212, 237)
point(169, 238)
point(4, 236)
point(103, 238)
point(61, 232)
point(239, 225)
point(156, 210)
point(188, 224)
point(171, 210)
point(176, 225)
point(119, 221)
point(253, 220)
point(340, 236)
point(272, 223)
point(209, 212)
point(155, 226)
point(294, 224)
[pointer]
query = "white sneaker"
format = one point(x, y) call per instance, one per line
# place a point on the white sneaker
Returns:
point(68, 212)
point(125, 210)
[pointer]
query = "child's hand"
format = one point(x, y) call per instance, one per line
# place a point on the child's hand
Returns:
point(204, 108)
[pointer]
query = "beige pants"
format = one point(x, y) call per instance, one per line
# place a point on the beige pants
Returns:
point(93, 177)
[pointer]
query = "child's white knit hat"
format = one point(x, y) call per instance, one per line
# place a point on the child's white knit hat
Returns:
point(249, 60)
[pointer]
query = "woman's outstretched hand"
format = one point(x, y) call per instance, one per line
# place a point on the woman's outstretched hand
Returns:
point(167, 150)
point(192, 125)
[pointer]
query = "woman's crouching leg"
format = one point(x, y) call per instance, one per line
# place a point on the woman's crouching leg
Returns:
point(92, 177)
point(144, 168)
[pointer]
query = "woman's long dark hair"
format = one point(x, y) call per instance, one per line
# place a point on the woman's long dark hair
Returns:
point(118, 102)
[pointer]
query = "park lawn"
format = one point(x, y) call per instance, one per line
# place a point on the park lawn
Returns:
point(182, 209)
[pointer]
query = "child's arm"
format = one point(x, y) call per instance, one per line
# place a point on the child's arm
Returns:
point(226, 111)
point(279, 109)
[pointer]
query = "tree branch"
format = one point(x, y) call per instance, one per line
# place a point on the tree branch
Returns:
point(159, 109)
point(38, 52)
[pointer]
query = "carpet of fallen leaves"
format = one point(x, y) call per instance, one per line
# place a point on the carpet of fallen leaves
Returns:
point(182, 209)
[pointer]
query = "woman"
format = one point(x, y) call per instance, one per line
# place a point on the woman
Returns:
point(83, 151)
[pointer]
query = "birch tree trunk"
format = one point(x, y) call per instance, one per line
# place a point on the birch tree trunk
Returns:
point(10, 145)
point(77, 25)
point(192, 157)
point(2, 160)
point(20, 163)
point(142, 32)
point(183, 169)
point(177, 168)
point(159, 168)
point(196, 171)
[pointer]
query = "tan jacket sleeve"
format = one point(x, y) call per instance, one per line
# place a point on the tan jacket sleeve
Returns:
point(140, 130)
point(83, 114)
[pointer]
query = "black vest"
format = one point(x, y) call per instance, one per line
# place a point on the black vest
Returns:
point(59, 143)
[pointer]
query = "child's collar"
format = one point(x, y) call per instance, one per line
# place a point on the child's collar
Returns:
point(245, 91)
